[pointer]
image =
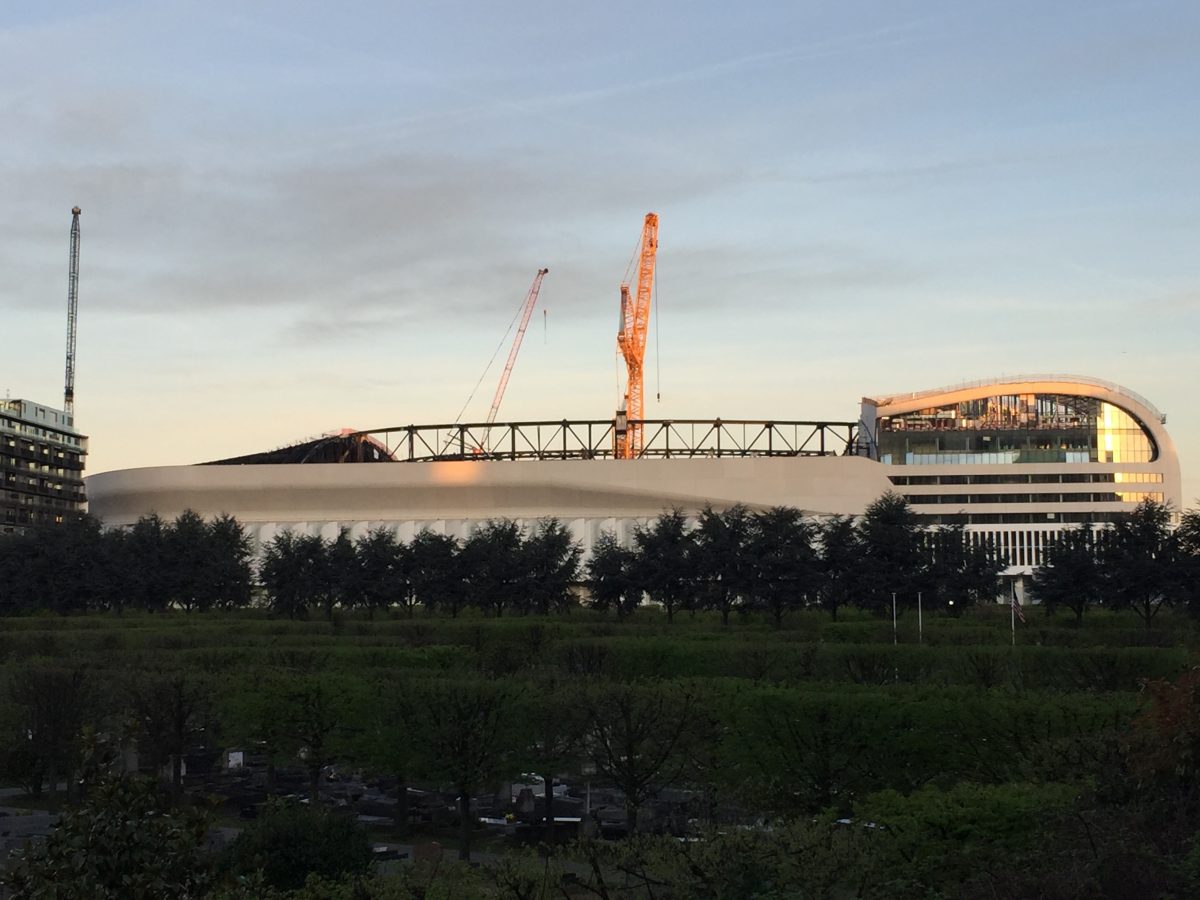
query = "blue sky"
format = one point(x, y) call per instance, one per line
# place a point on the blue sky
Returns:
point(299, 218)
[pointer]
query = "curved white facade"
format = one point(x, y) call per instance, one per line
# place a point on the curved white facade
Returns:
point(589, 496)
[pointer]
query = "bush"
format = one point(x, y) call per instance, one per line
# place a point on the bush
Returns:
point(289, 842)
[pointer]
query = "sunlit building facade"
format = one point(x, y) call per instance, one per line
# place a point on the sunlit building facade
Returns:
point(1017, 459)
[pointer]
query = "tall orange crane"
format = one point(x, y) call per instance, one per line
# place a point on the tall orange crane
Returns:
point(631, 341)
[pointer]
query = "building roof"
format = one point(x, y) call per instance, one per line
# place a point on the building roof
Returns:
point(1002, 380)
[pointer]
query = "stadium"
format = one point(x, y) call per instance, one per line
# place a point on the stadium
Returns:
point(1013, 459)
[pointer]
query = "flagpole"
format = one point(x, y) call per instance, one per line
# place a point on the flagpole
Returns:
point(1012, 613)
point(895, 640)
point(920, 621)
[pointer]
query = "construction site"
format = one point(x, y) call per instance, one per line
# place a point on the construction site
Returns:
point(1013, 459)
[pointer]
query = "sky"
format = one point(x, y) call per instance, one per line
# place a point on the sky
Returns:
point(301, 217)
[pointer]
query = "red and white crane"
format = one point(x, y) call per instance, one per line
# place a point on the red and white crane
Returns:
point(526, 314)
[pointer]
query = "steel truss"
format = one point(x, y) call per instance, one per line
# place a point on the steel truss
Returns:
point(597, 439)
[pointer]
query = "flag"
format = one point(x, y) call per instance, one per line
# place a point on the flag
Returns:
point(1016, 606)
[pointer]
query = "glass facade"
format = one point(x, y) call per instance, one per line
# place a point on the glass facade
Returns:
point(1015, 428)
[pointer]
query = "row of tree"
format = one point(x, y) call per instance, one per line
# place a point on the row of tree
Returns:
point(770, 562)
point(79, 566)
point(1142, 563)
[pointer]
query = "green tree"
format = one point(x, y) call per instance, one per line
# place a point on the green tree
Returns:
point(150, 572)
point(494, 565)
point(383, 571)
point(288, 843)
point(552, 559)
point(892, 559)
point(314, 720)
point(1140, 558)
point(782, 562)
point(723, 563)
point(341, 575)
point(468, 737)
point(58, 568)
point(294, 573)
point(170, 710)
point(249, 713)
point(934, 841)
point(387, 741)
point(610, 576)
point(120, 844)
point(806, 753)
point(1189, 560)
point(188, 549)
point(554, 723)
point(960, 570)
point(1070, 575)
point(436, 573)
point(638, 737)
point(663, 565)
point(229, 573)
point(49, 706)
point(839, 560)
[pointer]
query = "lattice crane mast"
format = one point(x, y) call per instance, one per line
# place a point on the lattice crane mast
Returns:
point(631, 341)
point(72, 311)
point(526, 313)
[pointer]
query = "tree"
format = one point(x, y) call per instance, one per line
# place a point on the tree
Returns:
point(57, 568)
point(551, 559)
point(314, 718)
point(341, 585)
point(467, 733)
point(120, 844)
point(638, 737)
point(383, 571)
point(187, 548)
point(229, 575)
point(554, 724)
point(289, 842)
point(722, 561)
point(838, 562)
point(294, 573)
point(435, 572)
point(149, 576)
point(250, 715)
point(169, 710)
point(1189, 560)
point(493, 561)
point(50, 706)
point(663, 566)
point(1070, 575)
point(810, 751)
point(388, 741)
point(1139, 558)
point(610, 576)
point(782, 562)
point(959, 570)
point(892, 560)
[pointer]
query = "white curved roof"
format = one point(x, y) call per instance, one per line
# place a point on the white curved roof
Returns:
point(1110, 388)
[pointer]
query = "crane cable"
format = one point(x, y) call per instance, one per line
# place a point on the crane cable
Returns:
point(488, 367)
point(657, 353)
